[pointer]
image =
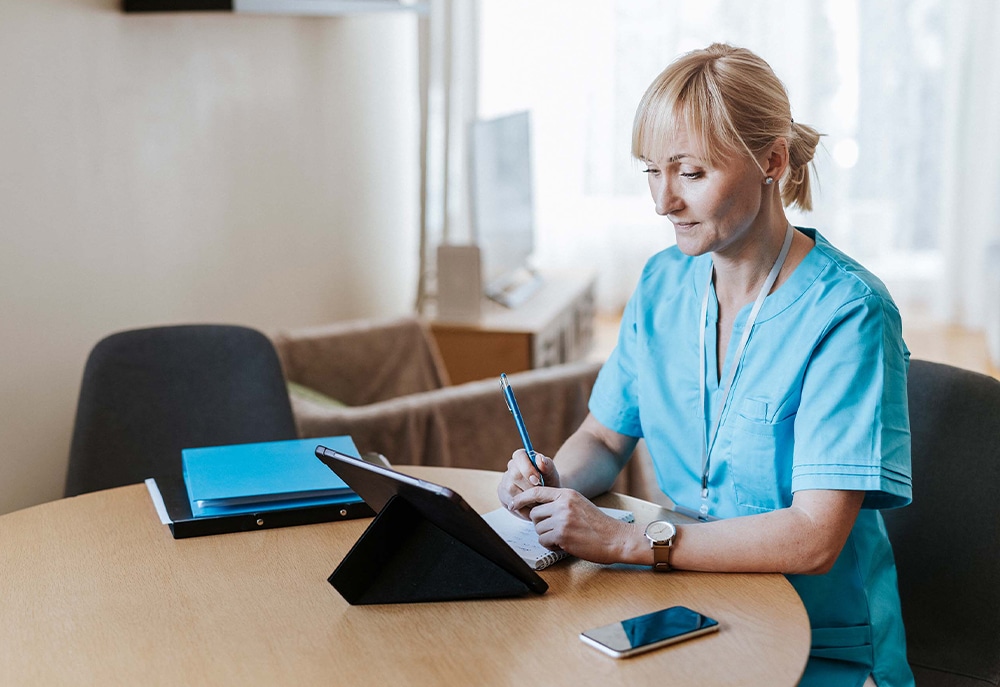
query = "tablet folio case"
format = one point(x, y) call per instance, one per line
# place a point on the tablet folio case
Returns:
point(184, 524)
point(403, 557)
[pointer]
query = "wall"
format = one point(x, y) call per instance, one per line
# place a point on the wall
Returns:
point(256, 170)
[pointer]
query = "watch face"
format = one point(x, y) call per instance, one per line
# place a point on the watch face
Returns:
point(660, 531)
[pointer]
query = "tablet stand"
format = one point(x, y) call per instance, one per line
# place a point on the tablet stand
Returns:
point(403, 557)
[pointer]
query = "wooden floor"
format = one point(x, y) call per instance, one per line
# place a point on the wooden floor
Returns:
point(926, 339)
point(949, 344)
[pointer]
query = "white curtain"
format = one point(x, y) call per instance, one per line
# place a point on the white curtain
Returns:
point(970, 221)
point(906, 92)
point(449, 80)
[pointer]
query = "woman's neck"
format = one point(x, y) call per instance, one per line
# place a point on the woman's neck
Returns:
point(739, 277)
point(740, 274)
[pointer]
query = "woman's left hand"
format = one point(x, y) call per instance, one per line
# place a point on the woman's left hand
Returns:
point(565, 519)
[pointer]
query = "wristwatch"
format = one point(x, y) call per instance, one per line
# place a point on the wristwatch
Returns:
point(661, 534)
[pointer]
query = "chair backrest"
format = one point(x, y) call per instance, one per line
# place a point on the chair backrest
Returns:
point(947, 542)
point(360, 362)
point(148, 393)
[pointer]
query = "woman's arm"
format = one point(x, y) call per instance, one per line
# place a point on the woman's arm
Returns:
point(593, 456)
point(804, 538)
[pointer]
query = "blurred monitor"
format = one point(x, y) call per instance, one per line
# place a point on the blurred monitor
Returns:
point(503, 210)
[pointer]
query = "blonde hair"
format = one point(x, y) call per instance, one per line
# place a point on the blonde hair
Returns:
point(731, 102)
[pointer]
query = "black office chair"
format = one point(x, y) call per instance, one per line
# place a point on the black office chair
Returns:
point(148, 393)
point(947, 542)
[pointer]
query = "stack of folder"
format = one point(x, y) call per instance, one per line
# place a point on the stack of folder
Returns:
point(256, 478)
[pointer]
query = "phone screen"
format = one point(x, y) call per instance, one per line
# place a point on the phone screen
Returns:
point(649, 631)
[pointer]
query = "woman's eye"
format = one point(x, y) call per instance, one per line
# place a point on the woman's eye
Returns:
point(692, 175)
point(650, 171)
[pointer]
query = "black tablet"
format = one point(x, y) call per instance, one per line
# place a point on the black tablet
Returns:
point(425, 543)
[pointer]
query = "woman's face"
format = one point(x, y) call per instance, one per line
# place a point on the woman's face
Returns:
point(713, 208)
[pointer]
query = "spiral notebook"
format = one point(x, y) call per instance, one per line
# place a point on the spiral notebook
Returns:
point(521, 536)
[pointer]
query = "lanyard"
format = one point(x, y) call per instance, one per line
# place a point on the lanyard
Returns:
point(713, 431)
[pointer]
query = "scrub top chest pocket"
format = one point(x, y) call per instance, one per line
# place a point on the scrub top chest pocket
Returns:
point(760, 455)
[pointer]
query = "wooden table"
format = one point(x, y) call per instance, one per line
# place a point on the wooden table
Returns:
point(94, 590)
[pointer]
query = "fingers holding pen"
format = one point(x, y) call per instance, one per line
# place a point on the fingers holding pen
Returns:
point(516, 479)
point(543, 472)
point(525, 474)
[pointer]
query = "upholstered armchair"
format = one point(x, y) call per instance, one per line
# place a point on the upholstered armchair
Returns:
point(384, 384)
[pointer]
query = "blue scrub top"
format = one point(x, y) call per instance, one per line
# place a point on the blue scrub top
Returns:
point(818, 402)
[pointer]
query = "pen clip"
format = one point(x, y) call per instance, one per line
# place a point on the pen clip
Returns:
point(505, 387)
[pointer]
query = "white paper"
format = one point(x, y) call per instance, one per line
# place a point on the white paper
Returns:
point(154, 494)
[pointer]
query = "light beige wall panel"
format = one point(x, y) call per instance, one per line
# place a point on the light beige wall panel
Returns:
point(169, 168)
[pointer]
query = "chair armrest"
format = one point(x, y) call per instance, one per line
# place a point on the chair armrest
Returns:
point(467, 425)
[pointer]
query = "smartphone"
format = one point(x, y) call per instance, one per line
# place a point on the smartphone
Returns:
point(650, 631)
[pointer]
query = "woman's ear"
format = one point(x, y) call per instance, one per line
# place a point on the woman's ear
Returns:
point(777, 158)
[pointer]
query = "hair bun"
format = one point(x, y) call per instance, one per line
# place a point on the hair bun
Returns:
point(802, 145)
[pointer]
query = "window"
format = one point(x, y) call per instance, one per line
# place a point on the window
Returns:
point(869, 75)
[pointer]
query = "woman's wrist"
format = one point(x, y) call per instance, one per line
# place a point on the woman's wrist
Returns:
point(635, 546)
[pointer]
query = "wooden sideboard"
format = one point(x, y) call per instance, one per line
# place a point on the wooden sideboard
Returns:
point(555, 325)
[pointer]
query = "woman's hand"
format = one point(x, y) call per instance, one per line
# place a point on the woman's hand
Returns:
point(522, 475)
point(565, 519)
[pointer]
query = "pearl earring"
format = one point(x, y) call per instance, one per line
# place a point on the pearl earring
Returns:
point(769, 180)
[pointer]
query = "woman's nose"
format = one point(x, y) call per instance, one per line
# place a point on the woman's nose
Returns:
point(667, 202)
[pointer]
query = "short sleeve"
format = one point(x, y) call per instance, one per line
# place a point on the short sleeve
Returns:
point(852, 428)
point(614, 401)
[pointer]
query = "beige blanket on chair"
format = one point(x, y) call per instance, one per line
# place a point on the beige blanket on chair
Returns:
point(360, 362)
point(461, 426)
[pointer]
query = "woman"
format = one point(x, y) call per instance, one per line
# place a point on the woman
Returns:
point(765, 369)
